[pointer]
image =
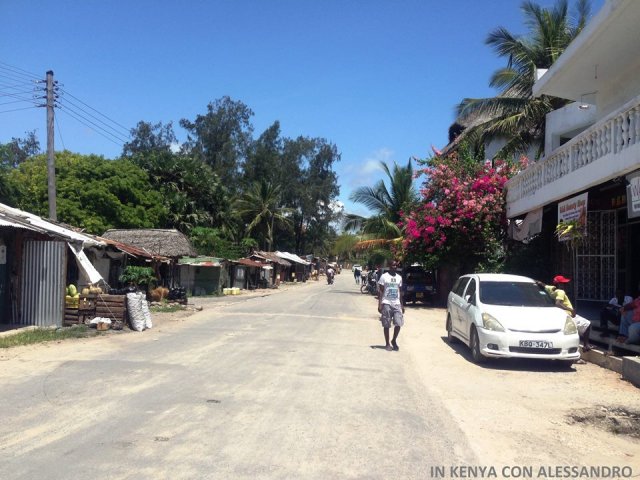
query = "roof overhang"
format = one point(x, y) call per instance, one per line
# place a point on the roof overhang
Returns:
point(606, 48)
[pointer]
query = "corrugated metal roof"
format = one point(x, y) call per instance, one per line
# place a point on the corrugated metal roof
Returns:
point(201, 261)
point(271, 256)
point(249, 263)
point(20, 219)
point(293, 257)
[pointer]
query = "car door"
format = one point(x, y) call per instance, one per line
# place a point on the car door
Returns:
point(467, 309)
point(457, 302)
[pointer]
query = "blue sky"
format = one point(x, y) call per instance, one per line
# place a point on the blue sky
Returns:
point(380, 79)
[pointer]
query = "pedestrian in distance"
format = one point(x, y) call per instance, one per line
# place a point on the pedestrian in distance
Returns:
point(356, 275)
point(391, 305)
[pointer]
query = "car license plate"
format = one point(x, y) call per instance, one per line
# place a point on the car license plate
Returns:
point(536, 344)
point(418, 294)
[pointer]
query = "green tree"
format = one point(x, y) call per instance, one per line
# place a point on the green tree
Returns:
point(261, 207)
point(221, 138)
point(13, 154)
point(264, 159)
point(147, 137)
point(191, 192)
point(92, 192)
point(386, 202)
point(514, 115)
point(311, 190)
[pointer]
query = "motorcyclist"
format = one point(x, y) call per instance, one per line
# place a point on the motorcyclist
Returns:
point(330, 274)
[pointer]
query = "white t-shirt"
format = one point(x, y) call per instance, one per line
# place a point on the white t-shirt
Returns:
point(392, 285)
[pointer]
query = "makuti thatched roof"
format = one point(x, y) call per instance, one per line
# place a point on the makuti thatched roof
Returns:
point(168, 243)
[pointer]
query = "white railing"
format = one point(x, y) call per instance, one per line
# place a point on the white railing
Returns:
point(612, 134)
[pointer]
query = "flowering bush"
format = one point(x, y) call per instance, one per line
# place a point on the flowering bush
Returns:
point(462, 212)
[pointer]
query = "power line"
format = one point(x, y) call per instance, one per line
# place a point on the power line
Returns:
point(70, 104)
point(19, 70)
point(79, 119)
point(17, 109)
point(18, 101)
point(55, 117)
point(24, 84)
point(102, 114)
point(15, 78)
point(4, 93)
point(70, 108)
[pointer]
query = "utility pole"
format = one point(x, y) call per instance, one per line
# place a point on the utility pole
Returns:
point(51, 161)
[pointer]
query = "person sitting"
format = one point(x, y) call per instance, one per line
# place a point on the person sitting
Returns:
point(612, 311)
point(629, 332)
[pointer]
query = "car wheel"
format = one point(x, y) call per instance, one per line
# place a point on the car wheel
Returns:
point(450, 337)
point(477, 355)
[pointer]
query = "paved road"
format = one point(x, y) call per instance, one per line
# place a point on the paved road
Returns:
point(292, 385)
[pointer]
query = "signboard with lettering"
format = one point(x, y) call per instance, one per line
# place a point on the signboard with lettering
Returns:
point(573, 210)
point(633, 195)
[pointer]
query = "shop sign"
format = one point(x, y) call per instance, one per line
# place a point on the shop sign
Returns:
point(573, 210)
point(633, 195)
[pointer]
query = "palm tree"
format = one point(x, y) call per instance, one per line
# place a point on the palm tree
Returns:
point(515, 115)
point(386, 203)
point(260, 206)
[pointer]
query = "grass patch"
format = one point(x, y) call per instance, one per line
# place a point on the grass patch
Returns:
point(40, 335)
point(166, 308)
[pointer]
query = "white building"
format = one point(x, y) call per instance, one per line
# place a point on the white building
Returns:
point(592, 147)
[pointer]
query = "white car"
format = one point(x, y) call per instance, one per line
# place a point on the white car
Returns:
point(359, 267)
point(502, 316)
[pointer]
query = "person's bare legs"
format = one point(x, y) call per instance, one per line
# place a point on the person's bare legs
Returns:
point(386, 338)
point(396, 332)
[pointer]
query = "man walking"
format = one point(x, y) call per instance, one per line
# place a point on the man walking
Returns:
point(356, 274)
point(391, 305)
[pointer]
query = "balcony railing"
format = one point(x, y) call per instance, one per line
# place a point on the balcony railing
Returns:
point(611, 135)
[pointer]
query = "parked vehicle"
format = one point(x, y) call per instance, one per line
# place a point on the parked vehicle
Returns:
point(500, 315)
point(419, 284)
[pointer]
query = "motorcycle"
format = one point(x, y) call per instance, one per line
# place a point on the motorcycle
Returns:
point(330, 275)
point(370, 286)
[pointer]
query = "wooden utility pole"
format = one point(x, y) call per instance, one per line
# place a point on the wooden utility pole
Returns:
point(51, 161)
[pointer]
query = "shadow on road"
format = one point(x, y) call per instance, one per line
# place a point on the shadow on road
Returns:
point(512, 364)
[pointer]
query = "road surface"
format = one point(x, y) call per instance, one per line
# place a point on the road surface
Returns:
point(295, 385)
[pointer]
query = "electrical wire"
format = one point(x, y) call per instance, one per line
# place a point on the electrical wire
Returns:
point(18, 97)
point(66, 107)
point(21, 85)
point(17, 101)
point(64, 92)
point(15, 78)
point(55, 118)
point(81, 120)
point(81, 111)
point(18, 70)
point(17, 109)
point(4, 93)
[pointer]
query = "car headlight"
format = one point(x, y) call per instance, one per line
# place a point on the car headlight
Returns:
point(490, 323)
point(569, 326)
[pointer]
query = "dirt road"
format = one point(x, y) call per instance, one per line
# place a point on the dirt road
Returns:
point(303, 365)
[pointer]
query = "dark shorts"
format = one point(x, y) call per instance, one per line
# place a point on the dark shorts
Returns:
point(391, 314)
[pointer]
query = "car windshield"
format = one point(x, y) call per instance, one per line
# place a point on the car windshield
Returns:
point(418, 276)
point(522, 294)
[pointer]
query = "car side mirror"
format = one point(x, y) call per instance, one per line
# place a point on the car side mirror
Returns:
point(469, 299)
